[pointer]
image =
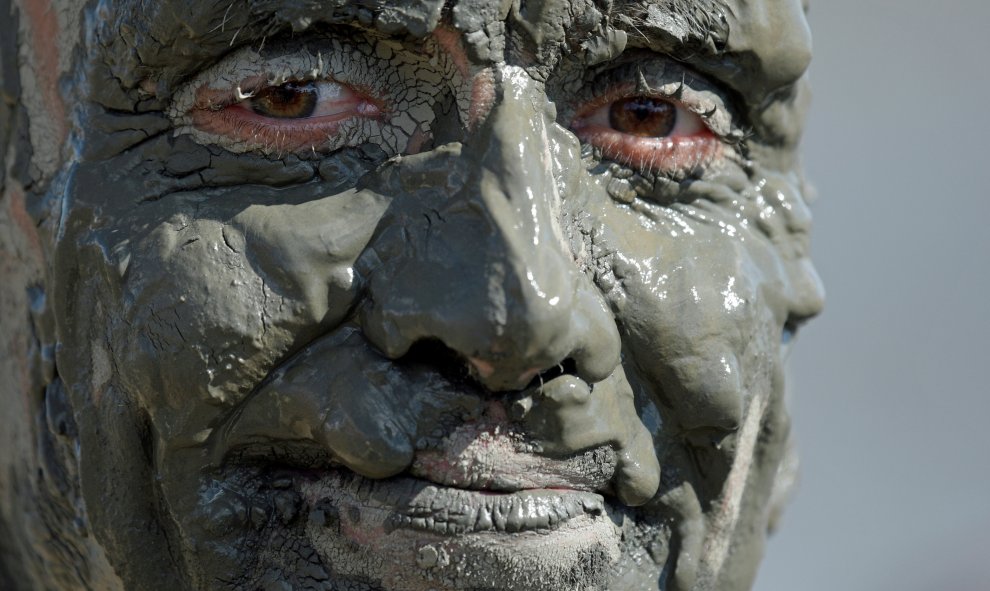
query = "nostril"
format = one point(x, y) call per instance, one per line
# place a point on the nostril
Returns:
point(567, 367)
point(439, 358)
point(434, 356)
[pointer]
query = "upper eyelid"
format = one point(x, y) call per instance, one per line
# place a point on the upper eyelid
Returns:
point(393, 84)
point(340, 60)
point(248, 70)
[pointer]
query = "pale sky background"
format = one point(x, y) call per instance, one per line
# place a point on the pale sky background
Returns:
point(891, 402)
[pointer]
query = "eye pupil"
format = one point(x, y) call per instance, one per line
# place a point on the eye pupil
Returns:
point(292, 100)
point(643, 116)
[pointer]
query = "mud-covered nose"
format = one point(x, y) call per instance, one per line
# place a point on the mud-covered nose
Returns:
point(479, 260)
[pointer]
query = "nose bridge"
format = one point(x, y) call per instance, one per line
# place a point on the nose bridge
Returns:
point(515, 181)
point(515, 186)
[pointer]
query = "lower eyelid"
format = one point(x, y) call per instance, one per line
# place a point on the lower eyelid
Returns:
point(214, 121)
point(690, 146)
point(240, 125)
point(237, 125)
point(668, 155)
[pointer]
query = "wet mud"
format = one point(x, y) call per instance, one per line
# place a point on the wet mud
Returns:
point(449, 333)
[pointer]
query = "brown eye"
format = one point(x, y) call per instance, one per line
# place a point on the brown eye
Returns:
point(292, 100)
point(643, 116)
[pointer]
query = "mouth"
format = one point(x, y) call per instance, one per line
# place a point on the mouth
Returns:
point(428, 527)
point(346, 501)
point(424, 481)
point(482, 478)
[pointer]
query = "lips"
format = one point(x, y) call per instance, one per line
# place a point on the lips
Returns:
point(418, 505)
point(408, 534)
point(482, 478)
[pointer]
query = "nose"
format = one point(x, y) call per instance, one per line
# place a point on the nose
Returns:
point(479, 260)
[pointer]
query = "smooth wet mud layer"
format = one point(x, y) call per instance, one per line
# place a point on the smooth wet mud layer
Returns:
point(472, 295)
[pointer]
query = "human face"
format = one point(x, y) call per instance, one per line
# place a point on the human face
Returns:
point(482, 295)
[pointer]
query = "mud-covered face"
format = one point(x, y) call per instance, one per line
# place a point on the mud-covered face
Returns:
point(471, 295)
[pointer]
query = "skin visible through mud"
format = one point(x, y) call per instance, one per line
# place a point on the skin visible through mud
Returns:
point(468, 295)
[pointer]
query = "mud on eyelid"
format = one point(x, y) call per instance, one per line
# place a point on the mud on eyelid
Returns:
point(649, 73)
point(663, 78)
point(405, 84)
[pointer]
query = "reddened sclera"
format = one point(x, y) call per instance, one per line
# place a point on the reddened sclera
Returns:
point(465, 295)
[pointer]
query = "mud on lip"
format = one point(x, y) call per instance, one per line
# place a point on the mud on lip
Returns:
point(415, 500)
point(415, 504)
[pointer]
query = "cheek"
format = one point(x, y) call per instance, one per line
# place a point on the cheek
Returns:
point(696, 315)
point(209, 306)
point(191, 307)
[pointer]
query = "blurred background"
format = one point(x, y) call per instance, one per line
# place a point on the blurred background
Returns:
point(891, 402)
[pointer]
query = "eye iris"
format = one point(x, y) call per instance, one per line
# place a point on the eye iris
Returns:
point(292, 100)
point(643, 116)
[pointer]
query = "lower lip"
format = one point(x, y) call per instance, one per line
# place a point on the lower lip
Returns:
point(409, 534)
point(412, 504)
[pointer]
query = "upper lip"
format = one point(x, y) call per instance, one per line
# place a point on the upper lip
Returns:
point(481, 477)
point(290, 419)
point(481, 456)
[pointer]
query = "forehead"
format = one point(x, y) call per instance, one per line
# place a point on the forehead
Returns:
point(185, 33)
point(752, 45)
point(414, 17)
point(163, 33)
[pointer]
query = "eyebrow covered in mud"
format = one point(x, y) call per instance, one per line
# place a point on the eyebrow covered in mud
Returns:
point(199, 33)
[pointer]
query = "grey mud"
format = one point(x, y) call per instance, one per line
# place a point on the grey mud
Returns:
point(452, 340)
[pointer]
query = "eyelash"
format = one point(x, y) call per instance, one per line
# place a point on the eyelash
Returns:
point(673, 154)
point(237, 120)
point(660, 164)
point(227, 117)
